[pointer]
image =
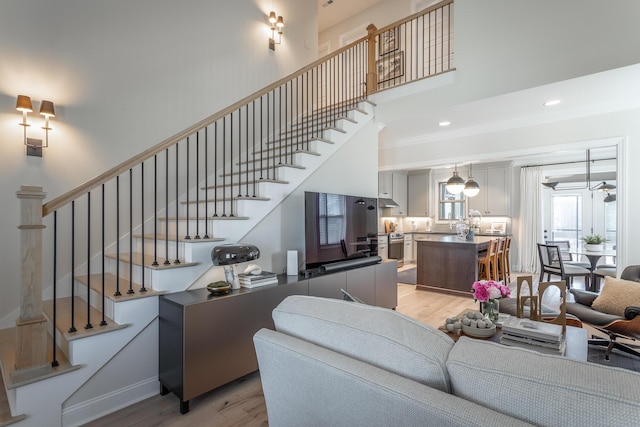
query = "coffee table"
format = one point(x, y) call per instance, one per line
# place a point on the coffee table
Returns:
point(576, 338)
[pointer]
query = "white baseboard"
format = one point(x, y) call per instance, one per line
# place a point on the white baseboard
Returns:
point(98, 407)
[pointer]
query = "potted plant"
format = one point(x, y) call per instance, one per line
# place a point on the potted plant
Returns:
point(594, 242)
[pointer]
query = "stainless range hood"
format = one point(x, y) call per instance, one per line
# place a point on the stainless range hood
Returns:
point(386, 203)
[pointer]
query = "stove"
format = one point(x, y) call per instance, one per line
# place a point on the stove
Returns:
point(396, 247)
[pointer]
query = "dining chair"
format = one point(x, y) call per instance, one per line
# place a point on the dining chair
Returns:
point(567, 256)
point(552, 265)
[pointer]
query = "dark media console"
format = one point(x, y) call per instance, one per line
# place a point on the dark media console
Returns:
point(207, 341)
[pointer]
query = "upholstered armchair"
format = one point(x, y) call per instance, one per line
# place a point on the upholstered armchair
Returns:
point(615, 311)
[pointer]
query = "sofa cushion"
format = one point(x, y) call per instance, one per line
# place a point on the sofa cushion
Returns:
point(616, 295)
point(543, 389)
point(375, 335)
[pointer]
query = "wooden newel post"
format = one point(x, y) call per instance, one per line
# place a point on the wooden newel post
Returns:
point(31, 348)
point(372, 72)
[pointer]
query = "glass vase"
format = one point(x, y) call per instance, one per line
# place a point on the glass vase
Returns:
point(490, 309)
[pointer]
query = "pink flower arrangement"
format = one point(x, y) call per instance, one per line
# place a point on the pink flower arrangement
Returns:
point(485, 290)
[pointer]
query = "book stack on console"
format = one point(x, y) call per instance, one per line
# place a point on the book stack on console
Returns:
point(256, 280)
point(539, 336)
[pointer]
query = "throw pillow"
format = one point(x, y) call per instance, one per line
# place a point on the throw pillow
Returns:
point(616, 295)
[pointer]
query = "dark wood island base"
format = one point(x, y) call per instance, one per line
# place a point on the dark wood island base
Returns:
point(448, 264)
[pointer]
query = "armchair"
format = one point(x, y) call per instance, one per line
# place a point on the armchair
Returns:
point(614, 326)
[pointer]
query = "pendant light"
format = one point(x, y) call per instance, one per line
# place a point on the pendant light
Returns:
point(471, 187)
point(455, 184)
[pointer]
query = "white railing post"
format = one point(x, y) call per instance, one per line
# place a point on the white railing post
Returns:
point(31, 346)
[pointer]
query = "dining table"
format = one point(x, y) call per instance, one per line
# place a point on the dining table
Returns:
point(593, 257)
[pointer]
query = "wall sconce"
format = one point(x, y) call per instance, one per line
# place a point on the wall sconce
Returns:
point(276, 27)
point(47, 109)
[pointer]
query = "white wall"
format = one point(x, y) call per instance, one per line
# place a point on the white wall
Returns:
point(352, 170)
point(124, 76)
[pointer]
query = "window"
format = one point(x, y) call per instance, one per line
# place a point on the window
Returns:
point(610, 212)
point(332, 218)
point(566, 219)
point(451, 206)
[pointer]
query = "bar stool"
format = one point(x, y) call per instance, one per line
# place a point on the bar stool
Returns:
point(487, 265)
point(507, 260)
point(500, 251)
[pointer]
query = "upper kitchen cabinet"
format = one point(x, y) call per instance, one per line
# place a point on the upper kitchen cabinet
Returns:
point(418, 193)
point(495, 188)
point(393, 185)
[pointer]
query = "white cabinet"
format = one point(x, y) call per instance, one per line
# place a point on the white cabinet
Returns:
point(393, 185)
point(418, 193)
point(408, 248)
point(385, 185)
point(493, 198)
point(400, 193)
point(383, 247)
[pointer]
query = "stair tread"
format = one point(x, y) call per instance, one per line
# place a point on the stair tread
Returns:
point(288, 143)
point(256, 198)
point(208, 218)
point(8, 360)
point(162, 238)
point(269, 150)
point(251, 182)
point(110, 282)
point(137, 259)
point(63, 320)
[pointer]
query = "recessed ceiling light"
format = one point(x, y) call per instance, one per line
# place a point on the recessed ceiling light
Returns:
point(551, 103)
point(445, 123)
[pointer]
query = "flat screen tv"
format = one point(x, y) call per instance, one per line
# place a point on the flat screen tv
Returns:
point(339, 227)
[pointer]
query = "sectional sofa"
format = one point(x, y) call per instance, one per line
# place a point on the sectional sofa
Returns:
point(339, 363)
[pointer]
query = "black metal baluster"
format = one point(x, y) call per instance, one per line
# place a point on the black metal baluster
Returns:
point(246, 133)
point(253, 144)
point(215, 169)
point(177, 235)
point(130, 290)
point(103, 322)
point(166, 206)
point(231, 167)
point(197, 236)
point(224, 166)
point(261, 138)
point(117, 292)
point(239, 152)
point(54, 359)
point(206, 183)
point(73, 267)
point(88, 324)
point(143, 239)
point(155, 210)
point(187, 236)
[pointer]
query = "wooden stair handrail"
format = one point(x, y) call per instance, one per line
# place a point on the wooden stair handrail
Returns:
point(62, 200)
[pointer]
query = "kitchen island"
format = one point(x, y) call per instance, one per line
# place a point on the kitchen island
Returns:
point(447, 263)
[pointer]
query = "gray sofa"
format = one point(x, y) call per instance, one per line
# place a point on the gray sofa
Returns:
point(339, 363)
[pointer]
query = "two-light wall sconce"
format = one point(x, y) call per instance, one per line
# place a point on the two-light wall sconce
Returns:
point(276, 28)
point(23, 104)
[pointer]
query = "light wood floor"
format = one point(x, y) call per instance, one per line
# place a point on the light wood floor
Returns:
point(241, 403)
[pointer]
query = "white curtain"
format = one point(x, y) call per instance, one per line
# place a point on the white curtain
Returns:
point(530, 227)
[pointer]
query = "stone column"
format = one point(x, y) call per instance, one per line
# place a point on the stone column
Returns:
point(31, 348)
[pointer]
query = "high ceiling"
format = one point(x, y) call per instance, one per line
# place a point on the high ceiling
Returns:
point(330, 12)
point(412, 121)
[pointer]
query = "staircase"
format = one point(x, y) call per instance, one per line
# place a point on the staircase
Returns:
point(124, 321)
point(147, 226)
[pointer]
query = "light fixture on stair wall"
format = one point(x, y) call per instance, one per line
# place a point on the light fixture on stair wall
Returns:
point(455, 184)
point(47, 109)
point(276, 24)
point(471, 187)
